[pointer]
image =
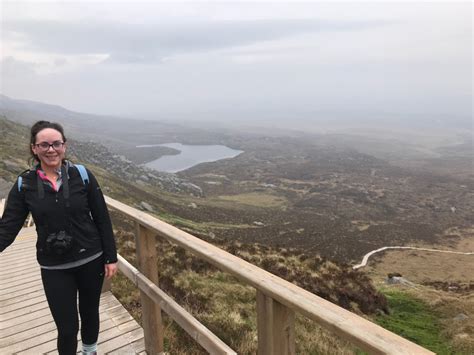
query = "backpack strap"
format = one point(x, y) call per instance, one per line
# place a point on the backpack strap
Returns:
point(83, 172)
point(20, 179)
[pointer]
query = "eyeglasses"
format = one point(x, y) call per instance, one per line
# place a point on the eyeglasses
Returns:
point(44, 146)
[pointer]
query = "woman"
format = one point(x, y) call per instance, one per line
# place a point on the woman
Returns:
point(75, 246)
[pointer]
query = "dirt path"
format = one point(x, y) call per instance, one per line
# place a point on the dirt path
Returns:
point(369, 254)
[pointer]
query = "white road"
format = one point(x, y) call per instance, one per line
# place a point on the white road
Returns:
point(369, 254)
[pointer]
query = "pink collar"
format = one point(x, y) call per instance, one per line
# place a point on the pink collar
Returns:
point(44, 177)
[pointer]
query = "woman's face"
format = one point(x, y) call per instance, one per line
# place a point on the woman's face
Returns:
point(48, 148)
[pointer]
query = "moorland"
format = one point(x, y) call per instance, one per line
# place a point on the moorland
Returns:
point(303, 205)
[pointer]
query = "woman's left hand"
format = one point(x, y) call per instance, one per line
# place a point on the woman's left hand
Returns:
point(110, 270)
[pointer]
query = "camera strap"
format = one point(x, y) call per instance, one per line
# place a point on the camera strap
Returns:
point(65, 184)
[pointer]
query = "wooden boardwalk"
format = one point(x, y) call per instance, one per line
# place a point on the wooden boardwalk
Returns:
point(26, 325)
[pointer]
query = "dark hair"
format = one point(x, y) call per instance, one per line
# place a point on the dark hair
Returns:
point(36, 128)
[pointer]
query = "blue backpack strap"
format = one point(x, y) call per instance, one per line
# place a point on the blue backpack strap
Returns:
point(20, 182)
point(83, 172)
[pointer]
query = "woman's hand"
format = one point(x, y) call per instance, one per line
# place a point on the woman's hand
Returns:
point(110, 270)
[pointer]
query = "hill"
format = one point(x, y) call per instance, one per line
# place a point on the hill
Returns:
point(190, 281)
point(285, 194)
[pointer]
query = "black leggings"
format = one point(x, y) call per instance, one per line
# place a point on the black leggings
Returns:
point(61, 288)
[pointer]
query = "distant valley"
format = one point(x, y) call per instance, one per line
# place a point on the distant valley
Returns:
point(337, 195)
point(304, 206)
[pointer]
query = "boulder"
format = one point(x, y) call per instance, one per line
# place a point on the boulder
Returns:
point(146, 206)
point(461, 317)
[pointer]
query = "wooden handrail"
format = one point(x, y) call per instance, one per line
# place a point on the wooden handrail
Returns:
point(2, 206)
point(347, 325)
point(191, 325)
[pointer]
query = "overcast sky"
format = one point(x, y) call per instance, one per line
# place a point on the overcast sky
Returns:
point(232, 60)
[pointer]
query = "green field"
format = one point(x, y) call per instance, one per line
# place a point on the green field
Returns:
point(414, 320)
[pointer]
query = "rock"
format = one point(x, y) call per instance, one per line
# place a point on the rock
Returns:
point(4, 188)
point(399, 280)
point(129, 244)
point(461, 317)
point(393, 280)
point(462, 336)
point(145, 206)
point(393, 274)
point(144, 178)
point(11, 165)
point(192, 205)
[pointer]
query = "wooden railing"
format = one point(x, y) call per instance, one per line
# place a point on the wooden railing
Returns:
point(277, 300)
point(2, 206)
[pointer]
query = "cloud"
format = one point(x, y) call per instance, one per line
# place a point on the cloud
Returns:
point(142, 43)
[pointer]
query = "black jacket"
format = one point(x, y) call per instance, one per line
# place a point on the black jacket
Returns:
point(88, 223)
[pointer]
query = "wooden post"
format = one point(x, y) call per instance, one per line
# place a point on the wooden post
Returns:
point(106, 286)
point(30, 221)
point(151, 312)
point(2, 206)
point(276, 327)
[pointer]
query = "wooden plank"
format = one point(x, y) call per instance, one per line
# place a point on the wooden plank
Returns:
point(349, 326)
point(22, 298)
point(15, 264)
point(13, 280)
point(47, 342)
point(191, 325)
point(124, 341)
point(115, 321)
point(25, 326)
point(283, 329)
point(18, 273)
point(18, 285)
point(20, 289)
point(24, 291)
point(26, 318)
point(24, 254)
point(20, 307)
point(22, 245)
point(264, 324)
point(135, 348)
point(7, 344)
point(147, 264)
point(17, 251)
point(30, 221)
point(276, 327)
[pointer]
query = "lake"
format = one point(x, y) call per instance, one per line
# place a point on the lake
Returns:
point(190, 155)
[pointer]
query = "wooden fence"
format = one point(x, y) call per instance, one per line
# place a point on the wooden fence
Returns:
point(277, 300)
point(2, 206)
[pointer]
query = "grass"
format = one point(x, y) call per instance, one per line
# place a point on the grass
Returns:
point(413, 319)
point(255, 199)
point(228, 307)
point(198, 226)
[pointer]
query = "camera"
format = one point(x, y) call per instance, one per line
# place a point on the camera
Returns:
point(59, 243)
